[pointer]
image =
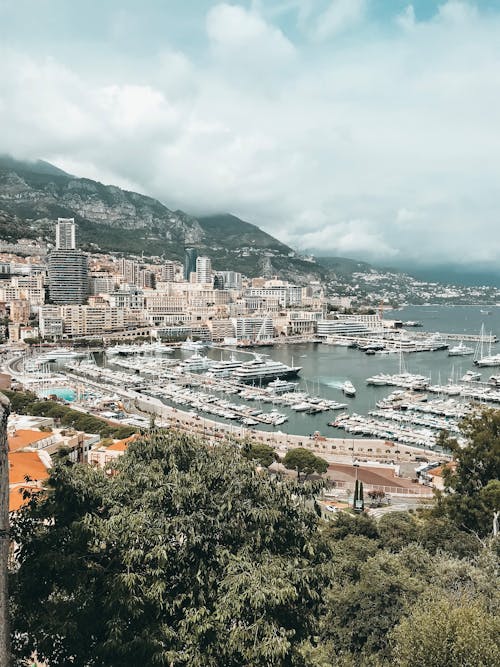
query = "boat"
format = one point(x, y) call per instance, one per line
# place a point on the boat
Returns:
point(224, 368)
point(279, 386)
point(60, 353)
point(485, 312)
point(195, 362)
point(470, 376)
point(460, 350)
point(301, 407)
point(348, 388)
point(192, 345)
point(260, 370)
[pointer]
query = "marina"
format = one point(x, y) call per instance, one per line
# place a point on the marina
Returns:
point(267, 391)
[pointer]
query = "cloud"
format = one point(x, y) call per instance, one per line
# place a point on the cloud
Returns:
point(234, 30)
point(406, 19)
point(340, 15)
point(455, 11)
point(384, 145)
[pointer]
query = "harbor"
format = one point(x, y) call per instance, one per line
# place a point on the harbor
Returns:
point(305, 390)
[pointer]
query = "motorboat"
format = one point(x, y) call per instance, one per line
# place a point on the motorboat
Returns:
point(460, 350)
point(470, 376)
point(348, 388)
point(192, 345)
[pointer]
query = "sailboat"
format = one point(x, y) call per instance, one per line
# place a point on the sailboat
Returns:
point(488, 360)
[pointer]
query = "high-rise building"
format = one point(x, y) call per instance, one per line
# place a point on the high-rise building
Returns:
point(68, 277)
point(67, 267)
point(190, 257)
point(204, 270)
point(65, 234)
point(129, 270)
point(168, 272)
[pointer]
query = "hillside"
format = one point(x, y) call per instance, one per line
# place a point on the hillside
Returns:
point(34, 194)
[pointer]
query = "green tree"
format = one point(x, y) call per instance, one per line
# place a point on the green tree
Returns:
point(473, 482)
point(187, 556)
point(397, 530)
point(259, 452)
point(446, 629)
point(304, 462)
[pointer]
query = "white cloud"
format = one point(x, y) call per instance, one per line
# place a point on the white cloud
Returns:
point(456, 11)
point(233, 29)
point(407, 18)
point(384, 148)
point(339, 16)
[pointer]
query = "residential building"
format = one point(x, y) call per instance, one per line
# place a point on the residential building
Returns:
point(65, 234)
point(204, 271)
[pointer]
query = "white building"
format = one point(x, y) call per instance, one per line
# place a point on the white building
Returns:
point(204, 270)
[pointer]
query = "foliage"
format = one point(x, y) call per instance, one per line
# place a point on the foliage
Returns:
point(304, 461)
point(186, 557)
point(27, 403)
point(474, 482)
point(263, 454)
point(397, 530)
point(448, 629)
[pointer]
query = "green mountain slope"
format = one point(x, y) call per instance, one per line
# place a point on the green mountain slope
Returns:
point(34, 194)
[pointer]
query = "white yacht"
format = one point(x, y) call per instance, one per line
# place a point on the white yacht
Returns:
point(279, 386)
point(260, 370)
point(491, 360)
point(460, 350)
point(60, 353)
point(348, 388)
point(470, 376)
point(192, 345)
point(224, 368)
point(195, 362)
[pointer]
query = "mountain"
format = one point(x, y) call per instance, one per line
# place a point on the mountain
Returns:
point(34, 194)
point(342, 266)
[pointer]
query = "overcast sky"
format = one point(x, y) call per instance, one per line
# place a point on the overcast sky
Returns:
point(363, 128)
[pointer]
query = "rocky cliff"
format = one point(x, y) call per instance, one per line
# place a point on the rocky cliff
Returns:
point(33, 195)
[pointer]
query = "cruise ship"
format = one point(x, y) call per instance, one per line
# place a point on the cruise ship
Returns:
point(260, 370)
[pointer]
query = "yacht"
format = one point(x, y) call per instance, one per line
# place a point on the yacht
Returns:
point(471, 376)
point(192, 345)
point(195, 362)
point(491, 360)
point(279, 386)
point(260, 370)
point(60, 353)
point(224, 368)
point(348, 388)
point(460, 350)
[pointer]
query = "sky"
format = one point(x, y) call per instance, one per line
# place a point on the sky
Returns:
point(360, 128)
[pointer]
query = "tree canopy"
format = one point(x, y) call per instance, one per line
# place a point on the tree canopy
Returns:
point(186, 554)
point(304, 462)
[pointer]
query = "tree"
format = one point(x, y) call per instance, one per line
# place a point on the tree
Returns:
point(446, 629)
point(377, 496)
point(187, 556)
point(397, 530)
point(260, 453)
point(473, 482)
point(304, 461)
